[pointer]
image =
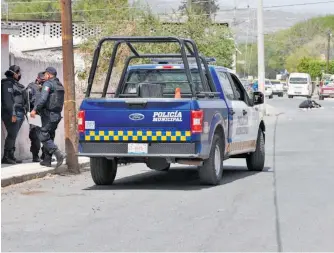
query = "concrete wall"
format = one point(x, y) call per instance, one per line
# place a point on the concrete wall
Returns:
point(29, 70)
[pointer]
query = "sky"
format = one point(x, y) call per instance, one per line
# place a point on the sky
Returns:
point(243, 21)
point(317, 9)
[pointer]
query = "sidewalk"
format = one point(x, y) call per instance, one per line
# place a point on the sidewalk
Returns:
point(18, 173)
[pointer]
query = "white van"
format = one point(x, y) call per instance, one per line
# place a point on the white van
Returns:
point(300, 84)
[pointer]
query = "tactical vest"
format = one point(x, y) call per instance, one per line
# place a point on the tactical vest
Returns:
point(56, 99)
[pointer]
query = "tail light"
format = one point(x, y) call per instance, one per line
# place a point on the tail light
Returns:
point(197, 121)
point(81, 121)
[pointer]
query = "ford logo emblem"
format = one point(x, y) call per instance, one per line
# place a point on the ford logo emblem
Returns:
point(136, 116)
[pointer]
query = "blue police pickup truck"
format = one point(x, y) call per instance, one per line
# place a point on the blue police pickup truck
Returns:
point(190, 113)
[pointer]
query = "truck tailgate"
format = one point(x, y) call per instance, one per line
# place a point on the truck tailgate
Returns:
point(133, 120)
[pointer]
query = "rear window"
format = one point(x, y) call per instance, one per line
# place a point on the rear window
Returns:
point(298, 80)
point(167, 78)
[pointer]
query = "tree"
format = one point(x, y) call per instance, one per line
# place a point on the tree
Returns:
point(33, 9)
point(212, 39)
point(199, 7)
point(83, 10)
point(313, 67)
point(100, 10)
point(284, 49)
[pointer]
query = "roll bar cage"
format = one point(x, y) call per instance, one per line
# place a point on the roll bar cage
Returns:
point(188, 48)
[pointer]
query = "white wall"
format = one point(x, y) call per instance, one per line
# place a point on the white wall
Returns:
point(29, 70)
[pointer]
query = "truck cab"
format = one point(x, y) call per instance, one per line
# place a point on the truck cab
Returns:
point(189, 113)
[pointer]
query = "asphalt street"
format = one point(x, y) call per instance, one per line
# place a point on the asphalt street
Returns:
point(287, 207)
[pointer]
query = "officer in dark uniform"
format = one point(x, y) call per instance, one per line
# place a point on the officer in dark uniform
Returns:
point(34, 91)
point(49, 106)
point(13, 106)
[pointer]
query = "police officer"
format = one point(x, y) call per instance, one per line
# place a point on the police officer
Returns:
point(34, 91)
point(13, 102)
point(49, 106)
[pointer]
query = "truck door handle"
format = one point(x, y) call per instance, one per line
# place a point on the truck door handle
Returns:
point(232, 112)
point(244, 112)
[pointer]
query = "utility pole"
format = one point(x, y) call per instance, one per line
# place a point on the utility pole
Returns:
point(70, 115)
point(260, 50)
point(328, 50)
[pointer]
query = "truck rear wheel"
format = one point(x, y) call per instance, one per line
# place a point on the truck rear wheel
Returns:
point(321, 98)
point(255, 161)
point(103, 170)
point(212, 170)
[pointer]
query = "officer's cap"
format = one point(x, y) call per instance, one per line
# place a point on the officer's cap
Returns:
point(14, 68)
point(51, 70)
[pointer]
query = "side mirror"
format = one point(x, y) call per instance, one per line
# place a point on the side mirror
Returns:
point(258, 98)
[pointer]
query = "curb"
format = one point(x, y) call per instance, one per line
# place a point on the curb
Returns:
point(35, 175)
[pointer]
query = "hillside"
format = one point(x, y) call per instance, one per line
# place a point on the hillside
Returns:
point(284, 49)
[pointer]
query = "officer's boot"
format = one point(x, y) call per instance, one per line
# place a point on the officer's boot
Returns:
point(35, 158)
point(6, 159)
point(43, 155)
point(12, 156)
point(46, 161)
point(59, 156)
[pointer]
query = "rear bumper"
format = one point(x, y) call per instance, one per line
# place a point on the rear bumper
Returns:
point(111, 149)
point(278, 92)
point(326, 95)
point(301, 94)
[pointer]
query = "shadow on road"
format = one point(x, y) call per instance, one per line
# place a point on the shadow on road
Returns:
point(176, 179)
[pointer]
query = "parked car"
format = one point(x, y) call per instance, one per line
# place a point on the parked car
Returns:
point(277, 87)
point(165, 113)
point(267, 87)
point(327, 91)
point(300, 84)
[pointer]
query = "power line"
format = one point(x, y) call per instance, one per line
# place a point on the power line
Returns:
point(165, 14)
point(136, 8)
point(300, 4)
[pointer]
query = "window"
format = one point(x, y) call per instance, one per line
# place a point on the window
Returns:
point(169, 79)
point(297, 80)
point(226, 85)
point(240, 92)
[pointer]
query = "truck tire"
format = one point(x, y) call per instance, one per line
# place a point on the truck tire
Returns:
point(103, 170)
point(290, 96)
point(255, 160)
point(210, 173)
point(280, 95)
point(271, 96)
point(321, 98)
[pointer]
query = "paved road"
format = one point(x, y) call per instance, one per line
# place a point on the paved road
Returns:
point(287, 207)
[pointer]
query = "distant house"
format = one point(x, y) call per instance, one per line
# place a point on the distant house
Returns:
point(6, 31)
